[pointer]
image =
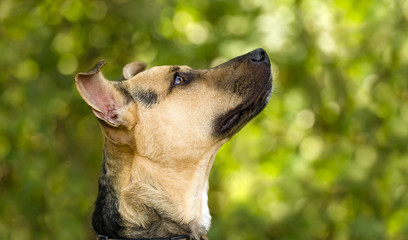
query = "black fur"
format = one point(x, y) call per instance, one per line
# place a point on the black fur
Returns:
point(122, 88)
point(106, 219)
point(147, 97)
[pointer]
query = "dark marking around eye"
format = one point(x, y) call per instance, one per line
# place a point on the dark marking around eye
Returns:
point(182, 78)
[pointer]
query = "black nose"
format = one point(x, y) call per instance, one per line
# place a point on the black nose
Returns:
point(259, 55)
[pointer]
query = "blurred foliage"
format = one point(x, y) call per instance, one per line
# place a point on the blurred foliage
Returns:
point(327, 159)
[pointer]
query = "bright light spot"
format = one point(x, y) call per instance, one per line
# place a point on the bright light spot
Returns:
point(250, 4)
point(236, 24)
point(72, 10)
point(356, 173)
point(337, 212)
point(334, 107)
point(27, 70)
point(274, 42)
point(305, 119)
point(196, 33)
point(240, 186)
point(323, 16)
point(276, 28)
point(181, 20)
point(366, 156)
point(147, 55)
point(166, 27)
point(311, 148)
point(364, 92)
point(326, 43)
point(67, 64)
point(317, 16)
point(63, 42)
point(5, 8)
point(295, 100)
point(301, 168)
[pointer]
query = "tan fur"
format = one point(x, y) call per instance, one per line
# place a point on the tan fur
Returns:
point(174, 147)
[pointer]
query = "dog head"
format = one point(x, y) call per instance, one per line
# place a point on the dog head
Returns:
point(176, 109)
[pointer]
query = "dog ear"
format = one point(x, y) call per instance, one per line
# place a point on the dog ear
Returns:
point(101, 95)
point(131, 69)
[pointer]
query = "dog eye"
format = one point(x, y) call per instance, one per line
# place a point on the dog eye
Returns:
point(178, 80)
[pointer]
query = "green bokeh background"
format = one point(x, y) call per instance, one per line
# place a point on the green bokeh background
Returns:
point(327, 159)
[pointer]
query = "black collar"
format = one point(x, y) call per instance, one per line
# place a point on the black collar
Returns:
point(180, 237)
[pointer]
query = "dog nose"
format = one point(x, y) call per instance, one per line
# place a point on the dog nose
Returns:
point(259, 55)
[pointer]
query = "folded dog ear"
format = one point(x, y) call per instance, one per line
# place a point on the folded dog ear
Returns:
point(101, 95)
point(133, 68)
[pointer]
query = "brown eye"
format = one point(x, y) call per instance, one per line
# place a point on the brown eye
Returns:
point(178, 80)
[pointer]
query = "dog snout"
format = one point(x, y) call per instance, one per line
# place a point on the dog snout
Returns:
point(259, 56)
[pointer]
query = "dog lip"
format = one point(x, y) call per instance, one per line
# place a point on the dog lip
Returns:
point(254, 105)
point(230, 121)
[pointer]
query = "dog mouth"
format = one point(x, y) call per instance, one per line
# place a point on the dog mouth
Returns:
point(234, 120)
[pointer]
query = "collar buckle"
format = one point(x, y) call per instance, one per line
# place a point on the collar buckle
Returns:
point(102, 237)
point(186, 237)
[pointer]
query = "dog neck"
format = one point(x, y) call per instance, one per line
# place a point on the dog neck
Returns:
point(142, 198)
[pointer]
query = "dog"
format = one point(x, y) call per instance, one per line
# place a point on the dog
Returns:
point(162, 128)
